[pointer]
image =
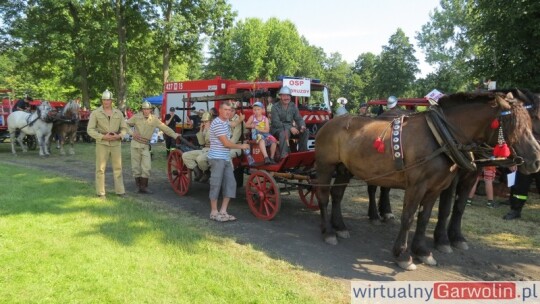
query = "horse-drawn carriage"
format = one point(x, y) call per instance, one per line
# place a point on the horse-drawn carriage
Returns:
point(266, 182)
point(5, 110)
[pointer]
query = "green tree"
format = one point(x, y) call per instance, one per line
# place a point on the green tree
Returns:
point(337, 72)
point(361, 86)
point(256, 50)
point(182, 25)
point(509, 42)
point(312, 61)
point(396, 69)
point(448, 46)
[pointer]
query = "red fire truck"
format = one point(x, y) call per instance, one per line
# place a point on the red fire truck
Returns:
point(310, 95)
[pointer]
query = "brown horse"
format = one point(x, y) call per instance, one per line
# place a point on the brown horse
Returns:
point(448, 234)
point(345, 147)
point(65, 126)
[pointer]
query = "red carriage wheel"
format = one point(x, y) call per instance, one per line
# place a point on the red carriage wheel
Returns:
point(179, 175)
point(308, 194)
point(262, 194)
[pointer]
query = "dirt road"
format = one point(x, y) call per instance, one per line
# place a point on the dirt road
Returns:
point(294, 234)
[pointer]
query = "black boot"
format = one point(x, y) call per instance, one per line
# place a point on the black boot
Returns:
point(205, 177)
point(138, 183)
point(512, 215)
point(197, 174)
point(516, 205)
point(144, 186)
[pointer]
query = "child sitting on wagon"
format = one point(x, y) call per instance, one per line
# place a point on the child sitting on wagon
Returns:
point(260, 132)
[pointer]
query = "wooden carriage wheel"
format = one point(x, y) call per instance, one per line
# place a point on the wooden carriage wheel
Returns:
point(308, 194)
point(179, 175)
point(263, 196)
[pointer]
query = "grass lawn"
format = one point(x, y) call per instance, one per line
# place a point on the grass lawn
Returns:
point(59, 244)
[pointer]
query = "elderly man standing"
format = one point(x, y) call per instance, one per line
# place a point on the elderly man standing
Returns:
point(284, 114)
point(141, 163)
point(107, 126)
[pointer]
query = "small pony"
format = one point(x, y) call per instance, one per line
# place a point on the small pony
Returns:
point(65, 126)
point(38, 123)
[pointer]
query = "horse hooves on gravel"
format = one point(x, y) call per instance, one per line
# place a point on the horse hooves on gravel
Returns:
point(428, 260)
point(444, 248)
point(407, 265)
point(344, 234)
point(460, 245)
point(332, 240)
point(388, 217)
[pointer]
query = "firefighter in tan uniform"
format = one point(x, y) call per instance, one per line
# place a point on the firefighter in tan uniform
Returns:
point(197, 160)
point(107, 126)
point(144, 124)
point(238, 128)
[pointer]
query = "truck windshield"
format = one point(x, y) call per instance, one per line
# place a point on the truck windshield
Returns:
point(319, 99)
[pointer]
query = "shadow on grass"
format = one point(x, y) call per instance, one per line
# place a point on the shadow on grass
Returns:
point(122, 220)
point(294, 235)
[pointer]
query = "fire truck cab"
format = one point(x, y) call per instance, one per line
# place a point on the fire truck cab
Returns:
point(311, 97)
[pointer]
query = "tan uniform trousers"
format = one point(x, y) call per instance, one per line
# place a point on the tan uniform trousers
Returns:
point(103, 153)
point(196, 158)
point(235, 153)
point(141, 163)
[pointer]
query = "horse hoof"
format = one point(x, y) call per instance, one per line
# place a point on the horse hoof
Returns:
point(332, 240)
point(344, 234)
point(444, 248)
point(461, 245)
point(388, 217)
point(428, 260)
point(407, 265)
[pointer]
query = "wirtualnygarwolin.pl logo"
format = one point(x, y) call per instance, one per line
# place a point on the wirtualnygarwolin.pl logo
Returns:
point(499, 292)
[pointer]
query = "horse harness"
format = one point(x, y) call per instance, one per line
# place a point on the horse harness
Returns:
point(445, 134)
point(30, 123)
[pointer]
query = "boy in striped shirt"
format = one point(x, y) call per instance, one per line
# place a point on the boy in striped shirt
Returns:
point(222, 176)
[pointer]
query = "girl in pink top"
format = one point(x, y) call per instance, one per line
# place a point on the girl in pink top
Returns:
point(260, 126)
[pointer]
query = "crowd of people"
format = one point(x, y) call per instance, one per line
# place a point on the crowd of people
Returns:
point(219, 135)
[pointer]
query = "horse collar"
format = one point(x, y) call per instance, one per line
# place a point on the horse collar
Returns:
point(397, 151)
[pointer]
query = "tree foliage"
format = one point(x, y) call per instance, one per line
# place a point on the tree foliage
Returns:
point(396, 68)
point(509, 42)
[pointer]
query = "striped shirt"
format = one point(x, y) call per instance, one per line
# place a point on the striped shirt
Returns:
point(217, 149)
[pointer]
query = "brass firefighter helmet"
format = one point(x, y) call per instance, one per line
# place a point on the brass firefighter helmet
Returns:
point(106, 94)
point(146, 105)
point(206, 116)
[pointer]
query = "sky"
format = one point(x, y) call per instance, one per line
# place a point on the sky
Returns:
point(350, 27)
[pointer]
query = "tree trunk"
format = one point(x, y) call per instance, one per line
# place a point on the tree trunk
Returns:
point(167, 44)
point(122, 53)
point(82, 69)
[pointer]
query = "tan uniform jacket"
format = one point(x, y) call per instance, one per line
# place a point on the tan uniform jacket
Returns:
point(100, 124)
point(145, 128)
point(237, 131)
point(204, 138)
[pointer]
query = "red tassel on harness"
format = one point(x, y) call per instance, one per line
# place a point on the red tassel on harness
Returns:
point(495, 124)
point(501, 151)
point(380, 148)
point(377, 143)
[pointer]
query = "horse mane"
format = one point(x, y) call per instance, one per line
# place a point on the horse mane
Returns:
point(71, 110)
point(514, 125)
point(532, 99)
point(452, 100)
